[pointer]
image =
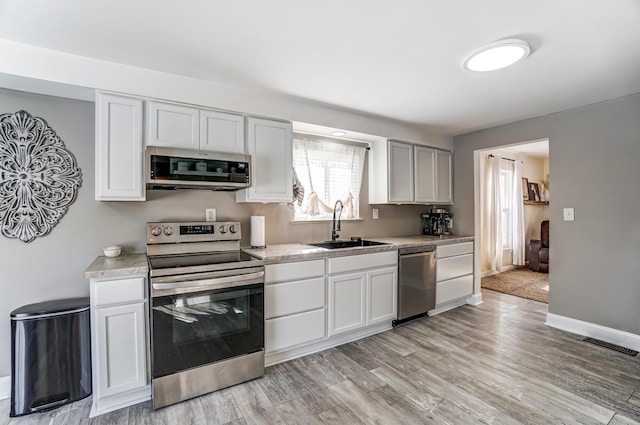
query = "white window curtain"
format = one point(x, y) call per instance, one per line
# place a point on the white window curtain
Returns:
point(328, 171)
point(518, 216)
point(492, 215)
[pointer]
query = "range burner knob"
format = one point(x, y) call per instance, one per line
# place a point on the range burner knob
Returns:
point(168, 230)
point(223, 229)
point(156, 231)
point(232, 228)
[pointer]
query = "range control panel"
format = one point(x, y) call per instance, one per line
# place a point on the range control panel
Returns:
point(193, 232)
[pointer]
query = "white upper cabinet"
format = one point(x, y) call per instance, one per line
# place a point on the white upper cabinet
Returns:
point(425, 174)
point(221, 132)
point(402, 173)
point(270, 144)
point(444, 193)
point(119, 148)
point(184, 127)
point(173, 126)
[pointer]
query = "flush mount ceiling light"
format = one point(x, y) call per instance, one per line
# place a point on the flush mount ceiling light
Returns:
point(497, 55)
point(338, 133)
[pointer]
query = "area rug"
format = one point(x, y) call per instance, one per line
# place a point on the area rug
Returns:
point(521, 282)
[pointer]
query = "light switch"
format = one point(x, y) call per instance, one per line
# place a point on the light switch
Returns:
point(375, 213)
point(568, 214)
point(210, 214)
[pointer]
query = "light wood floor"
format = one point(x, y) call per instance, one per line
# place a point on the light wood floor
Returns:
point(496, 363)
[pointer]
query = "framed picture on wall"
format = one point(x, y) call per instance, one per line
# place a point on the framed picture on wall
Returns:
point(534, 192)
point(525, 189)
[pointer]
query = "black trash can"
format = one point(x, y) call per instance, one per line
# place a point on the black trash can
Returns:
point(50, 355)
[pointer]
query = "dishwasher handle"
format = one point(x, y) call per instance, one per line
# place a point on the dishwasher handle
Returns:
point(416, 249)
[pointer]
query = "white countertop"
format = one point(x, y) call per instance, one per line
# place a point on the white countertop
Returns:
point(123, 265)
point(294, 252)
point(135, 264)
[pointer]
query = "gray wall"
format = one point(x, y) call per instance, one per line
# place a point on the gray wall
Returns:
point(53, 266)
point(593, 166)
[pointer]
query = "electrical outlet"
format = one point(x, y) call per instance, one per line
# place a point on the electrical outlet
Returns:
point(375, 214)
point(210, 214)
point(568, 214)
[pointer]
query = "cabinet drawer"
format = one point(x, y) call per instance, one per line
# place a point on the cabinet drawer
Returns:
point(455, 249)
point(119, 291)
point(363, 261)
point(286, 298)
point(293, 271)
point(289, 331)
point(448, 268)
point(455, 288)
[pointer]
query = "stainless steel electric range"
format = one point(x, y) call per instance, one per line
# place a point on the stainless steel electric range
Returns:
point(207, 310)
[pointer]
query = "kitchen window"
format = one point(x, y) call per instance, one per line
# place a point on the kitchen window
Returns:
point(326, 171)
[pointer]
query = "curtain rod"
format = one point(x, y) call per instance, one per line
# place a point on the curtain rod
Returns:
point(506, 159)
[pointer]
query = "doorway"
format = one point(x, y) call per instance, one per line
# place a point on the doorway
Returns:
point(502, 243)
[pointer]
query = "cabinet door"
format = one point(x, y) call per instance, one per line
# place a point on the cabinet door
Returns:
point(173, 126)
point(296, 329)
point(425, 174)
point(120, 349)
point(282, 299)
point(444, 190)
point(450, 267)
point(221, 132)
point(119, 149)
point(400, 172)
point(382, 295)
point(270, 144)
point(453, 289)
point(346, 302)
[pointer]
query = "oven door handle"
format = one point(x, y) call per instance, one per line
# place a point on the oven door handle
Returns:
point(216, 283)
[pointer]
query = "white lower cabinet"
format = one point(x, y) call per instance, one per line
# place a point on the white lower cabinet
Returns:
point(293, 330)
point(382, 295)
point(347, 302)
point(294, 299)
point(317, 304)
point(119, 341)
point(454, 275)
point(362, 291)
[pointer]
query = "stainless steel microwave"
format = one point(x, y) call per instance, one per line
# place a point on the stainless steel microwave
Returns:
point(168, 168)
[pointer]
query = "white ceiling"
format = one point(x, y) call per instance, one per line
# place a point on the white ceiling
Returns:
point(401, 59)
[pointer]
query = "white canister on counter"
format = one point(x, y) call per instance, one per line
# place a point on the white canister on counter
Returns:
point(257, 231)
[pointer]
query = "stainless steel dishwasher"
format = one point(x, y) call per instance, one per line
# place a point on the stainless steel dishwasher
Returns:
point(416, 282)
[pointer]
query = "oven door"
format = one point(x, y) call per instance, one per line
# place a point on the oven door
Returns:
point(205, 318)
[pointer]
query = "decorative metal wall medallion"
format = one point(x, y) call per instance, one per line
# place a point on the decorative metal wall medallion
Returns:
point(39, 178)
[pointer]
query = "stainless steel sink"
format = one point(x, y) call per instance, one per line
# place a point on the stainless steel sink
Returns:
point(346, 244)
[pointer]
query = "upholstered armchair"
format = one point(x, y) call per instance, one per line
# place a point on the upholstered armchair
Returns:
point(539, 250)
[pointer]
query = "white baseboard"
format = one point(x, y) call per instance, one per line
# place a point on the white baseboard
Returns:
point(448, 306)
point(118, 401)
point(494, 272)
point(294, 353)
point(5, 387)
point(474, 299)
point(611, 335)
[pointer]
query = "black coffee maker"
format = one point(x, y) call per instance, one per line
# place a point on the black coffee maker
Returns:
point(436, 222)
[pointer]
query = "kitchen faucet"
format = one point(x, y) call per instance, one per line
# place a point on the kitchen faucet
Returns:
point(336, 229)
